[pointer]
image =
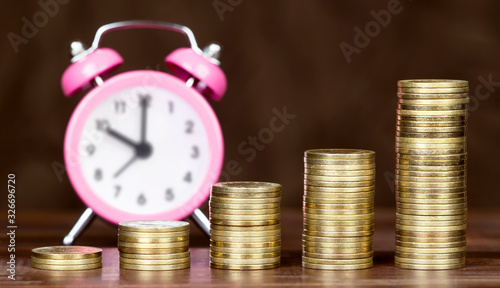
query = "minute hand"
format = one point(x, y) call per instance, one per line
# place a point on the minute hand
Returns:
point(122, 138)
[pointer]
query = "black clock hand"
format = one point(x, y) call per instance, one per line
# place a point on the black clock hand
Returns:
point(129, 162)
point(117, 135)
point(144, 109)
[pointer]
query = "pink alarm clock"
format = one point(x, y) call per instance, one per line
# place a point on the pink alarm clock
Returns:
point(143, 145)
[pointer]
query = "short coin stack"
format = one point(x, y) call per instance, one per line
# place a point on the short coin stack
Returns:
point(431, 174)
point(245, 230)
point(154, 245)
point(66, 258)
point(339, 188)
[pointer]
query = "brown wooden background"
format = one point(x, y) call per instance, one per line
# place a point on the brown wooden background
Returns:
point(276, 54)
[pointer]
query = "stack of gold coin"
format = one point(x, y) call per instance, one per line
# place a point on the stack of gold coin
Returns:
point(245, 229)
point(154, 245)
point(431, 174)
point(66, 258)
point(339, 187)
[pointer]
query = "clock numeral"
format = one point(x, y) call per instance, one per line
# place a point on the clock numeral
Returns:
point(118, 189)
point(189, 127)
point(188, 177)
point(90, 149)
point(102, 124)
point(196, 152)
point(141, 200)
point(120, 106)
point(170, 107)
point(169, 194)
point(98, 174)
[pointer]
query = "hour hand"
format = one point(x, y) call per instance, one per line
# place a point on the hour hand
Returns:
point(122, 138)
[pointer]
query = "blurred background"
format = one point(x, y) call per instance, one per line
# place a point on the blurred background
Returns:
point(302, 56)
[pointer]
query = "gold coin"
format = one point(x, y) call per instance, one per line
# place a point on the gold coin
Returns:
point(337, 173)
point(336, 267)
point(246, 186)
point(341, 250)
point(431, 223)
point(152, 240)
point(431, 228)
point(432, 146)
point(245, 207)
point(247, 217)
point(431, 240)
point(430, 123)
point(246, 245)
point(148, 235)
point(340, 184)
point(430, 168)
point(154, 262)
point(244, 267)
point(323, 233)
point(328, 197)
point(340, 153)
point(440, 108)
point(184, 265)
point(436, 206)
point(430, 217)
point(433, 83)
point(338, 222)
point(432, 201)
point(232, 261)
point(339, 162)
point(431, 118)
point(319, 202)
point(338, 256)
point(337, 167)
point(429, 141)
point(430, 151)
point(335, 179)
point(244, 233)
point(47, 261)
point(361, 228)
point(336, 245)
point(243, 213)
point(431, 256)
point(350, 190)
point(166, 245)
point(339, 217)
point(430, 245)
point(413, 173)
point(243, 201)
point(443, 102)
point(429, 196)
point(424, 96)
point(429, 261)
point(432, 113)
point(248, 229)
point(225, 222)
point(431, 212)
point(135, 250)
point(404, 178)
point(157, 226)
point(169, 256)
point(432, 192)
point(345, 211)
point(431, 251)
point(430, 233)
point(453, 184)
point(340, 240)
point(330, 207)
point(336, 261)
point(431, 129)
point(247, 239)
point(245, 194)
point(434, 90)
point(239, 250)
point(66, 252)
point(245, 256)
point(66, 267)
point(431, 135)
point(429, 267)
point(417, 162)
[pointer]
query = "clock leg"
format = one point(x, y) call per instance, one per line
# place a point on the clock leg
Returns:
point(202, 221)
point(83, 222)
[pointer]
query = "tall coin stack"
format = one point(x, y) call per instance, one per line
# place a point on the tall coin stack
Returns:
point(66, 258)
point(339, 188)
point(154, 245)
point(431, 174)
point(245, 229)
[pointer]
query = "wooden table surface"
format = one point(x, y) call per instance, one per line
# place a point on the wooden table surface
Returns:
point(36, 229)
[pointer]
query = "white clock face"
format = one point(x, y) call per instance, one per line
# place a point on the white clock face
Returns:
point(145, 150)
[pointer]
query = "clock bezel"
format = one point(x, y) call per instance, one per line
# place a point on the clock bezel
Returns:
point(128, 80)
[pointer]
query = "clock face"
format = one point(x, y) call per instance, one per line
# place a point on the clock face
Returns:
point(144, 150)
